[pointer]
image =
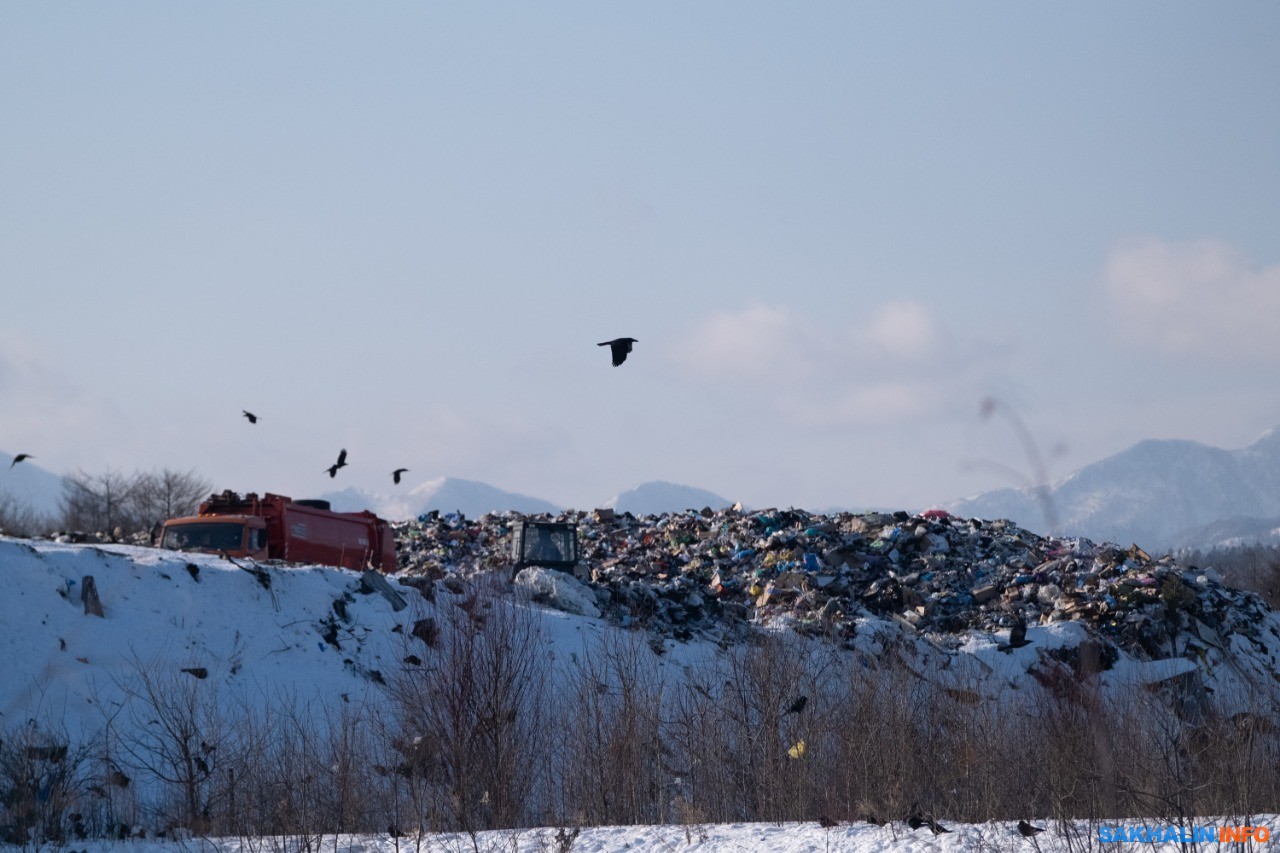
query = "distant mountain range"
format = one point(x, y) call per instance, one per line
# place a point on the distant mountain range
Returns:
point(473, 499)
point(446, 494)
point(658, 497)
point(1161, 494)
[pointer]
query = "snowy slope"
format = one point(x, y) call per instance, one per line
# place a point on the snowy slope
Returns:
point(29, 486)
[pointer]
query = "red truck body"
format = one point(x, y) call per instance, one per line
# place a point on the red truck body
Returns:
point(280, 528)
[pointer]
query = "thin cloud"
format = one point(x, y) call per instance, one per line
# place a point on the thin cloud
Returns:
point(1199, 298)
point(878, 371)
point(902, 330)
point(760, 341)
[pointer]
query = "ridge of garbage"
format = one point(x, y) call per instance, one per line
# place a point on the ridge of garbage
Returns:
point(710, 574)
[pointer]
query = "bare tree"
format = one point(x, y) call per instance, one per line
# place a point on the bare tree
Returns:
point(168, 494)
point(130, 502)
point(99, 501)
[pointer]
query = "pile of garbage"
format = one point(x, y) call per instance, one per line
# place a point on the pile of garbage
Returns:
point(711, 574)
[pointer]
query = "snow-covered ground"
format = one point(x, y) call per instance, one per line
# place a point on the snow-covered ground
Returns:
point(996, 837)
point(317, 633)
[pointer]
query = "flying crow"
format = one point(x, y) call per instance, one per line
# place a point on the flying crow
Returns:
point(797, 706)
point(341, 463)
point(19, 458)
point(395, 475)
point(1026, 830)
point(253, 419)
point(619, 347)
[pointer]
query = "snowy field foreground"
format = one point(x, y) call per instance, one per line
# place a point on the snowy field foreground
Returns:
point(995, 837)
point(101, 642)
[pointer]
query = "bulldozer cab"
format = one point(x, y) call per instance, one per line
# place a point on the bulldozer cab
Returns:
point(550, 544)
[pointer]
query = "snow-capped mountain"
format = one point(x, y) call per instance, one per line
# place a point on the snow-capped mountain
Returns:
point(1161, 493)
point(657, 497)
point(446, 494)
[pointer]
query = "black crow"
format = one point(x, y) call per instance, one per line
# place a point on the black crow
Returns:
point(934, 827)
point(341, 463)
point(917, 820)
point(1017, 637)
point(19, 458)
point(253, 419)
point(619, 347)
point(1026, 830)
point(797, 706)
point(395, 475)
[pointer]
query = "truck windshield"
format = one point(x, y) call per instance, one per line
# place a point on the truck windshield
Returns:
point(204, 536)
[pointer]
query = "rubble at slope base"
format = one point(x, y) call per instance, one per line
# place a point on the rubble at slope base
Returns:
point(711, 573)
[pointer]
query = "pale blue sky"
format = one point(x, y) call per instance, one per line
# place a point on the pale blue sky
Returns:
point(401, 228)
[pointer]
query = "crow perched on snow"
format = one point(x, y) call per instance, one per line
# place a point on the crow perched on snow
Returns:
point(341, 463)
point(1017, 637)
point(916, 820)
point(253, 419)
point(19, 458)
point(1026, 830)
point(395, 475)
point(619, 347)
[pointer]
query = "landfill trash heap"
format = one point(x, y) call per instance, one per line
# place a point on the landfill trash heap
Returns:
point(712, 574)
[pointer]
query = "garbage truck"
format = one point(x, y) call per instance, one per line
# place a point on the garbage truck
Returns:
point(276, 527)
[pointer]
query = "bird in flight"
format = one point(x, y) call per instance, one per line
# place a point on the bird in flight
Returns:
point(19, 458)
point(341, 463)
point(619, 347)
point(797, 706)
point(253, 419)
point(395, 475)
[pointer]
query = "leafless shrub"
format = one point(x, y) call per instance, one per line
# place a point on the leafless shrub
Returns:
point(19, 519)
point(469, 719)
point(614, 757)
point(177, 736)
point(747, 739)
point(42, 785)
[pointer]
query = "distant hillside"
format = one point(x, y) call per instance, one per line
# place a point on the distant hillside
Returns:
point(29, 486)
point(657, 497)
point(1158, 493)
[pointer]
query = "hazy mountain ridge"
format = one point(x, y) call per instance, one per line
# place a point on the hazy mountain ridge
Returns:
point(445, 494)
point(1161, 493)
point(29, 486)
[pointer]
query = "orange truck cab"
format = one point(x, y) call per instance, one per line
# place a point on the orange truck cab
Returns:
point(279, 528)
